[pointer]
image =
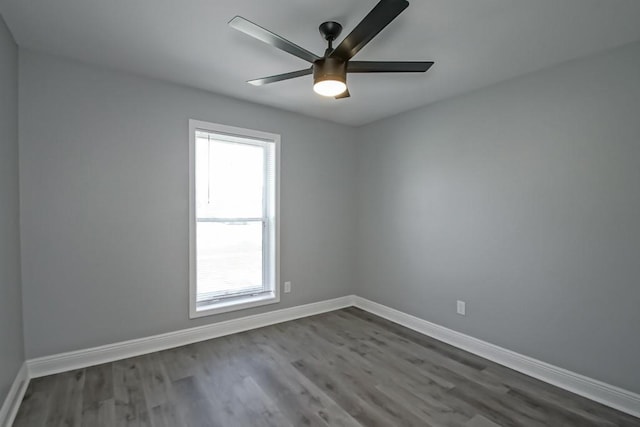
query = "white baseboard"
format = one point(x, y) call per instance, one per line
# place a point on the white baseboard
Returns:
point(12, 402)
point(56, 363)
point(590, 388)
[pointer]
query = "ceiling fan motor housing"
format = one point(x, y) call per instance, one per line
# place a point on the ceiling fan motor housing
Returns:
point(329, 69)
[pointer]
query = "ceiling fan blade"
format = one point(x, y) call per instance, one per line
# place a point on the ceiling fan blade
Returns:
point(379, 17)
point(388, 66)
point(264, 35)
point(280, 77)
point(344, 94)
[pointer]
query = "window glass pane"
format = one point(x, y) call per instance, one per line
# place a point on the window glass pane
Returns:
point(229, 258)
point(229, 179)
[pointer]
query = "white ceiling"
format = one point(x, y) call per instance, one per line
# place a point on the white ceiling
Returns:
point(474, 43)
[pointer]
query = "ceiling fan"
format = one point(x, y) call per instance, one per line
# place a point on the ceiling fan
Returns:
point(330, 71)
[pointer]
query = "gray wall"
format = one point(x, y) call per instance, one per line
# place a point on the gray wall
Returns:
point(11, 343)
point(522, 199)
point(104, 172)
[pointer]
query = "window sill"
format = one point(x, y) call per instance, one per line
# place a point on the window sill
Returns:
point(225, 306)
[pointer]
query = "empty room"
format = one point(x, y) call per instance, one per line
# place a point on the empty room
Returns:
point(332, 213)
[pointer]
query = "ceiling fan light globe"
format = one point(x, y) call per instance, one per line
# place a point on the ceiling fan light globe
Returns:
point(329, 87)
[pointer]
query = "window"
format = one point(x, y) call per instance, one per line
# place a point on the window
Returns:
point(233, 227)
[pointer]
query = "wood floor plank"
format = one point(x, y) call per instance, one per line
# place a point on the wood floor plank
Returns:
point(98, 385)
point(181, 362)
point(480, 421)
point(221, 375)
point(552, 413)
point(436, 412)
point(193, 403)
point(155, 382)
point(65, 409)
point(130, 402)
point(102, 413)
point(495, 407)
point(355, 395)
point(36, 401)
point(165, 415)
point(300, 399)
point(375, 356)
point(343, 368)
point(259, 408)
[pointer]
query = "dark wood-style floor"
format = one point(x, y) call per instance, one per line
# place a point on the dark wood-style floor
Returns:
point(344, 368)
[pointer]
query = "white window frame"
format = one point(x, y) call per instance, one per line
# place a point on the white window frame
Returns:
point(236, 303)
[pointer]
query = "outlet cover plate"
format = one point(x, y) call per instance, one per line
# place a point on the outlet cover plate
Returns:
point(462, 308)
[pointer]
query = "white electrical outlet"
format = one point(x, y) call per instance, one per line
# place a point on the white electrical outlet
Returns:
point(462, 308)
point(287, 287)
